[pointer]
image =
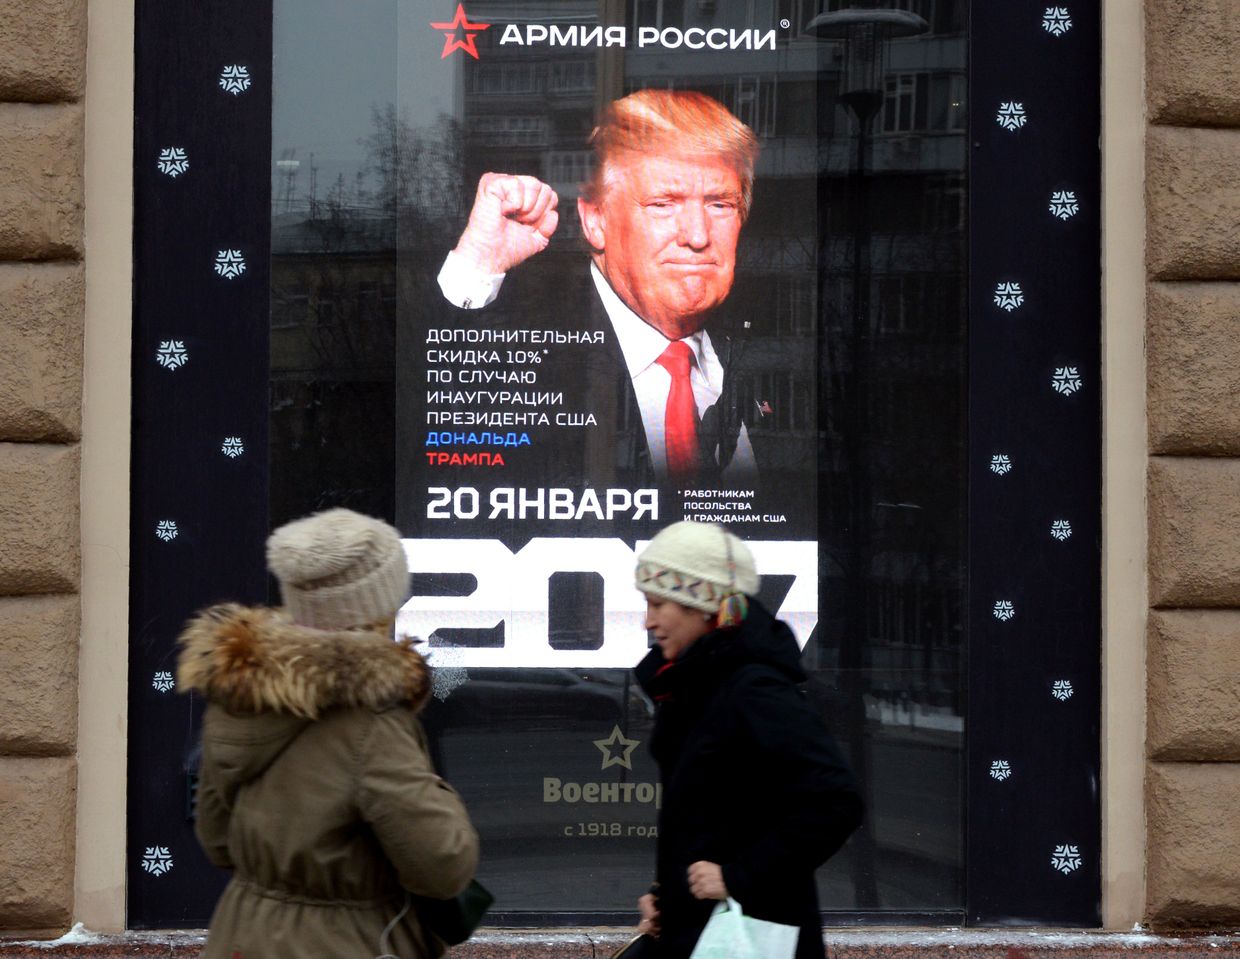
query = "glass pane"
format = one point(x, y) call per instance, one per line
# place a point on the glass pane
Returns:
point(510, 445)
point(336, 183)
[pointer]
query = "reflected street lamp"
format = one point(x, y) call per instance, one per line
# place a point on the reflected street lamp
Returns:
point(865, 32)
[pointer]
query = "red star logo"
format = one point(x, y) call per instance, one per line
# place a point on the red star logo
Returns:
point(460, 22)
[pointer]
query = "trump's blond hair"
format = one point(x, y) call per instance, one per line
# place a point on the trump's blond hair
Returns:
point(681, 123)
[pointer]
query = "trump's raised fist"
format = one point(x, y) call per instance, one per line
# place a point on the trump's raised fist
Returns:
point(512, 219)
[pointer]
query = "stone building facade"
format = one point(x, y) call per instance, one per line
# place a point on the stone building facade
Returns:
point(1171, 723)
point(1193, 304)
point(42, 325)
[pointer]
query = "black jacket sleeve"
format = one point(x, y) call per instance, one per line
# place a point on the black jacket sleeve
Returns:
point(818, 804)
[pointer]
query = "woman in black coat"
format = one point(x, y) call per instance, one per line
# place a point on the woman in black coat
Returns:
point(756, 794)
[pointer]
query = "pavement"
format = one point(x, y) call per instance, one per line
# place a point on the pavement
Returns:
point(903, 943)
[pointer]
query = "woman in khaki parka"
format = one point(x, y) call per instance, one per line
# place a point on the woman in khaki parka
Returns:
point(315, 788)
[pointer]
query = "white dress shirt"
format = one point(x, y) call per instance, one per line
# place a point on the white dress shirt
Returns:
point(641, 344)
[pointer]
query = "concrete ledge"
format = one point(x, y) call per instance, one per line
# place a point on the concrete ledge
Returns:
point(600, 943)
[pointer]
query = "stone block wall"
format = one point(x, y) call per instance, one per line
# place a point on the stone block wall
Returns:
point(42, 311)
point(1193, 354)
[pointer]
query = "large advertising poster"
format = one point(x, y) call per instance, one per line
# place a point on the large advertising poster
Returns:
point(614, 331)
point(606, 324)
point(550, 275)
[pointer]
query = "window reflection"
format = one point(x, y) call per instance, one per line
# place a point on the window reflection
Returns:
point(369, 189)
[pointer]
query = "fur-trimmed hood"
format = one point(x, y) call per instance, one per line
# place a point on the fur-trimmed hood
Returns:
point(253, 660)
point(315, 786)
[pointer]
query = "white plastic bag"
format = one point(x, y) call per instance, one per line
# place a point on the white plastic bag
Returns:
point(730, 934)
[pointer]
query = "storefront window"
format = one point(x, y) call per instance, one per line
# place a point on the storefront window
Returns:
point(897, 404)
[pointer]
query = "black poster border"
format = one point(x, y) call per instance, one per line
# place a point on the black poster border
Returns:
point(1033, 823)
point(200, 375)
point(202, 238)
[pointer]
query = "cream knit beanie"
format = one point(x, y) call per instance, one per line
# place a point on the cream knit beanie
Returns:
point(696, 565)
point(339, 569)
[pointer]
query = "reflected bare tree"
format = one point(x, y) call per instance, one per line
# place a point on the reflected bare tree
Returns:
point(340, 272)
point(418, 172)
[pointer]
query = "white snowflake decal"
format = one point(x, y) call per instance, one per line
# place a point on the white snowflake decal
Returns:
point(173, 161)
point(1056, 21)
point(1061, 529)
point(235, 79)
point(1000, 464)
point(1011, 115)
point(1000, 769)
point(1066, 380)
point(166, 529)
point(1008, 296)
point(447, 679)
point(171, 354)
point(157, 860)
point(1062, 690)
point(229, 264)
point(1066, 859)
point(1063, 204)
point(1004, 610)
point(233, 447)
point(163, 681)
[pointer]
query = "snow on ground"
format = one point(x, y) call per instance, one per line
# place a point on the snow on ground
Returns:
point(78, 935)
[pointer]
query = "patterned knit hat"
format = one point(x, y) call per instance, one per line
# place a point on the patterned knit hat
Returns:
point(339, 569)
point(698, 565)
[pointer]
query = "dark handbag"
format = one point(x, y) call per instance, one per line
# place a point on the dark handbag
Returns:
point(639, 947)
point(454, 920)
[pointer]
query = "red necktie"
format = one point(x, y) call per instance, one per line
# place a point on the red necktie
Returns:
point(680, 420)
